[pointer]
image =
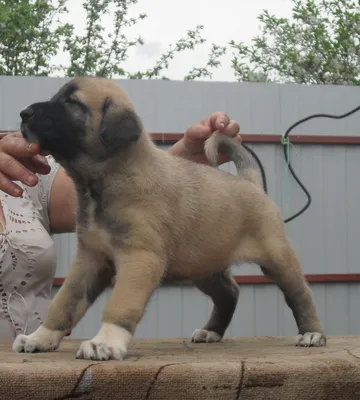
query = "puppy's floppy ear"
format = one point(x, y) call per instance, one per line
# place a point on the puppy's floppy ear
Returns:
point(119, 127)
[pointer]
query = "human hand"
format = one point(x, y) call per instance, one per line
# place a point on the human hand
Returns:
point(191, 146)
point(20, 161)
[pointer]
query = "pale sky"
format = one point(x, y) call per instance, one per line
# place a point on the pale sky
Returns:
point(167, 21)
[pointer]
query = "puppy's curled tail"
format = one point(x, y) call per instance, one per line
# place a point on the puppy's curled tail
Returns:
point(246, 165)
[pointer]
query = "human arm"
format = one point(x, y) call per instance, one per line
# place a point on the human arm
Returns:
point(62, 204)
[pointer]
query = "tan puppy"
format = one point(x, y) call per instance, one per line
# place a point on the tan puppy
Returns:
point(143, 214)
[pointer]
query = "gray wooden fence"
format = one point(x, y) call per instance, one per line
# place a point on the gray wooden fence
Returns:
point(326, 237)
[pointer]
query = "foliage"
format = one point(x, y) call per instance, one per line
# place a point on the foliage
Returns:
point(31, 34)
point(320, 45)
point(99, 52)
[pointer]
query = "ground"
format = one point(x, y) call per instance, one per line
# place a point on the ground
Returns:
point(242, 369)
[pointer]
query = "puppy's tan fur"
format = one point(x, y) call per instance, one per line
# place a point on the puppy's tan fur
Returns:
point(143, 214)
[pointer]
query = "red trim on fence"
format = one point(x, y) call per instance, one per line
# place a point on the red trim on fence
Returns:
point(311, 278)
point(264, 138)
point(57, 282)
point(261, 279)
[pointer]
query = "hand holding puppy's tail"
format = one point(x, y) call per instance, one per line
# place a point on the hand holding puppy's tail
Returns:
point(246, 165)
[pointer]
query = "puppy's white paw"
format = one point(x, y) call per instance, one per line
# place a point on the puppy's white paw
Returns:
point(204, 336)
point(97, 350)
point(42, 340)
point(311, 339)
point(111, 343)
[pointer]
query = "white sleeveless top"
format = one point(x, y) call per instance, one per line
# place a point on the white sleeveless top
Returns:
point(27, 257)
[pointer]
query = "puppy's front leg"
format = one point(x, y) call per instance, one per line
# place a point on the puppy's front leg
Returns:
point(139, 273)
point(88, 277)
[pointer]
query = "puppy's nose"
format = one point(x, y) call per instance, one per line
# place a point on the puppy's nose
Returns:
point(27, 113)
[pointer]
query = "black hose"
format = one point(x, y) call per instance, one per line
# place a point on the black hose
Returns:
point(285, 144)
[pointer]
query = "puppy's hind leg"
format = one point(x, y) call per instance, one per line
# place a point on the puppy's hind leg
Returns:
point(224, 293)
point(281, 264)
point(88, 277)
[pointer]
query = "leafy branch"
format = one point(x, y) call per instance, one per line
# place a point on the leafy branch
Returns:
point(189, 42)
point(213, 62)
point(318, 45)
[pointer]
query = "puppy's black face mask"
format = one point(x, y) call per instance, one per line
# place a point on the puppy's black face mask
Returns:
point(58, 125)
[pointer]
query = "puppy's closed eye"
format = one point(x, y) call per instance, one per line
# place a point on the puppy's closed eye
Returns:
point(76, 102)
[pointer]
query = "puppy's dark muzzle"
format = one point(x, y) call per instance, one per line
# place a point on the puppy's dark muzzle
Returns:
point(26, 114)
